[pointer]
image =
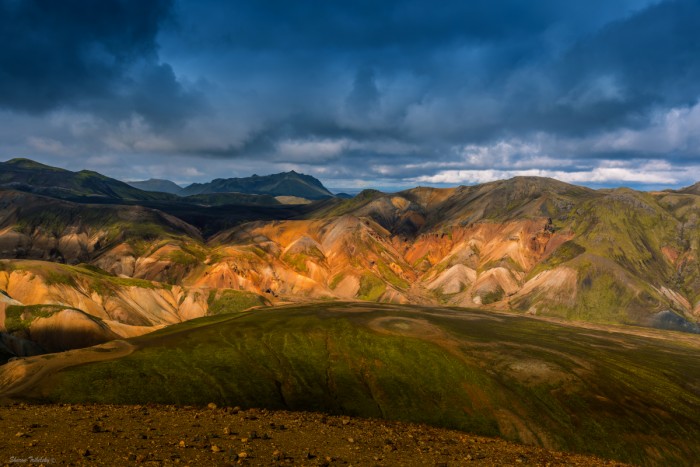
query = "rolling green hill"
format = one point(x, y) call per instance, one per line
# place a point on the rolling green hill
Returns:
point(616, 394)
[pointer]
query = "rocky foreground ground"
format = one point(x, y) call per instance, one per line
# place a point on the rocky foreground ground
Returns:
point(168, 435)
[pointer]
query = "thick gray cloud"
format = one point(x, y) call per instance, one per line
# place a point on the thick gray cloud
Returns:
point(390, 93)
point(99, 57)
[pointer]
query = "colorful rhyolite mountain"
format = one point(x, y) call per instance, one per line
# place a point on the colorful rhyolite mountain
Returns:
point(527, 245)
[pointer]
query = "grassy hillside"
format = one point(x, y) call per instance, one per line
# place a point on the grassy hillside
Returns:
point(614, 394)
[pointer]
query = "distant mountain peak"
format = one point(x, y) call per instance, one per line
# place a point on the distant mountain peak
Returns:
point(289, 183)
point(692, 189)
point(24, 163)
point(157, 184)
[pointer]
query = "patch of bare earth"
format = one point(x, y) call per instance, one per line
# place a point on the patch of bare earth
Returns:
point(167, 435)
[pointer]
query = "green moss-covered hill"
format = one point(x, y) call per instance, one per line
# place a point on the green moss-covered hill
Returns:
point(611, 393)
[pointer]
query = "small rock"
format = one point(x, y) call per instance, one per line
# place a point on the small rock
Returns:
point(227, 430)
point(277, 455)
point(244, 440)
point(211, 406)
point(84, 452)
point(19, 434)
point(351, 440)
point(215, 448)
point(242, 455)
point(235, 410)
point(182, 443)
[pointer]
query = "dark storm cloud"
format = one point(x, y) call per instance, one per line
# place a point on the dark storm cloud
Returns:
point(401, 91)
point(100, 56)
point(448, 72)
point(628, 68)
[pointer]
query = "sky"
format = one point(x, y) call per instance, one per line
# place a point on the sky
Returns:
point(389, 94)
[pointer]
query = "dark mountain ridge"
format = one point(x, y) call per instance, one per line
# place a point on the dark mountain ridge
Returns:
point(157, 184)
point(281, 184)
point(33, 177)
point(88, 186)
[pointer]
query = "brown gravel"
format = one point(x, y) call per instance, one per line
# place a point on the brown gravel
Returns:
point(168, 435)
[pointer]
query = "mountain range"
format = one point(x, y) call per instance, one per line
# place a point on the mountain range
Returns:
point(281, 184)
point(88, 186)
point(528, 245)
point(577, 297)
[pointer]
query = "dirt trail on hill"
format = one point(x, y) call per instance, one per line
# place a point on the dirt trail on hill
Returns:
point(167, 435)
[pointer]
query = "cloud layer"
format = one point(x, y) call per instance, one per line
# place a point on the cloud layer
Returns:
point(387, 94)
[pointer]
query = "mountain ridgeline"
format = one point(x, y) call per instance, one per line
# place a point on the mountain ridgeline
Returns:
point(281, 184)
point(88, 186)
point(527, 245)
point(157, 184)
point(27, 175)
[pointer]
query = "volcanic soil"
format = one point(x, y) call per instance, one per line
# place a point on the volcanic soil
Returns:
point(169, 435)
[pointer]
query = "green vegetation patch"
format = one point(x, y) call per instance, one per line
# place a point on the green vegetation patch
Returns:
point(297, 261)
point(389, 274)
point(566, 252)
point(505, 262)
point(493, 296)
point(336, 280)
point(183, 258)
point(20, 317)
point(371, 287)
point(233, 301)
point(59, 277)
